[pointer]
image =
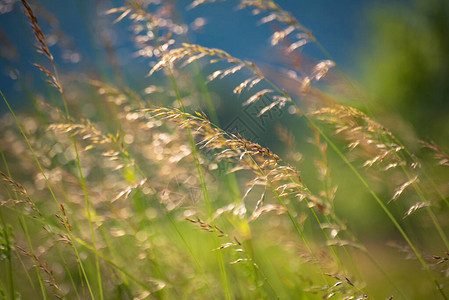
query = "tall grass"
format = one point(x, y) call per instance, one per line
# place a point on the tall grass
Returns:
point(110, 193)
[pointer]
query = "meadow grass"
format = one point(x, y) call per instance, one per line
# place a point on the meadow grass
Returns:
point(109, 193)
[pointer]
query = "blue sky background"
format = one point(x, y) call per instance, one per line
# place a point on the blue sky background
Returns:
point(341, 27)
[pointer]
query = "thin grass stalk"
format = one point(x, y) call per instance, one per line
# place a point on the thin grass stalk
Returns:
point(50, 190)
point(230, 178)
point(67, 271)
point(55, 81)
point(251, 67)
point(8, 257)
point(327, 183)
point(115, 254)
point(83, 184)
point(334, 217)
point(290, 216)
point(84, 11)
point(109, 261)
point(421, 196)
point(24, 88)
point(204, 190)
point(380, 203)
point(334, 251)
point(257, 269)
point(372, 259)
point(366, 185)
point(89, 216)
point(327, 238)
point(350, 257)
point(91, 249)
point(172, 221)
point(327, 54)
point(2, 290)
point(27, 273)
point(8, 245)
point(249, 249)
point(38, 271)
point(24, 227)
point(436, 188)
point(178, 231)
point(200, 175)
point(419, 192)
point(429, 210)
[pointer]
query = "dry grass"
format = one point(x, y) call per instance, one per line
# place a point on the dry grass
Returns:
point(103, 198)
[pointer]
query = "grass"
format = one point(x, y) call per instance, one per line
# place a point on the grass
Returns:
point(112, 194)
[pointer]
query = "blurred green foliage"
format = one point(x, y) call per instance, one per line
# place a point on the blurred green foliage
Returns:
point(406, 64)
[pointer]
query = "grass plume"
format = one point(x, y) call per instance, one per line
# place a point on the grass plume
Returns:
point(157, 190)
